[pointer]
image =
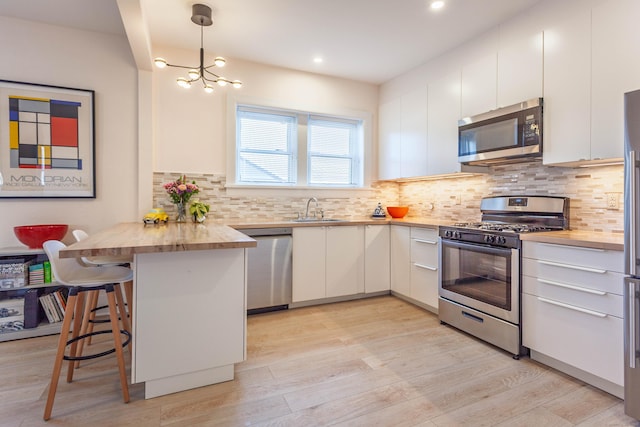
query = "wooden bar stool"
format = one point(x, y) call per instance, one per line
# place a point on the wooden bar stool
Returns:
point(81, 280)
point(88, 321)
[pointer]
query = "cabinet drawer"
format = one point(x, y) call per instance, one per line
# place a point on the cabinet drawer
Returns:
point(424, 251)
point(424, 284)
point(595, 278)
point(574, 255)
point(424, 233)
point(576, 295)
point(593, 344)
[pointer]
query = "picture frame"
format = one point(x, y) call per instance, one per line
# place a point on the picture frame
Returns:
point(47, 141)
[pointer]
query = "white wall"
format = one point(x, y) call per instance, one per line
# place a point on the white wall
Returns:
point(39, 53)
point(190, 125)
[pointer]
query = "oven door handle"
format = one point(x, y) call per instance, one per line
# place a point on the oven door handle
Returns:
point(478, 248)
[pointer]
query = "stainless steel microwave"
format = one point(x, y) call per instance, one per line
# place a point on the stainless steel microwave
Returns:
point(505, 135)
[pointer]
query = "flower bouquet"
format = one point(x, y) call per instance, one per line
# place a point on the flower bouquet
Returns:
point(180, 192)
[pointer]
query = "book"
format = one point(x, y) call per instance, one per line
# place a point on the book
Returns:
point(44, 302)
point(47, 272)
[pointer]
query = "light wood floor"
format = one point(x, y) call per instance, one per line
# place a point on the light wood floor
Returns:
point(374, 362)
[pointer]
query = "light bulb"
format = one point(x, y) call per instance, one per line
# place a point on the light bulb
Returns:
point(222, 81)
point(194, 74)
point(182, 82)
point(219, 61)
point(438, 4)
point(237, 84)
point(208, 88)
point(160, 62)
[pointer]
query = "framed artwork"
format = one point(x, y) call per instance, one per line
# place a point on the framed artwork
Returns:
point(47, 141)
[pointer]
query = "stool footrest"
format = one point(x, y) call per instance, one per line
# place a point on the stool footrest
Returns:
point(96, 355)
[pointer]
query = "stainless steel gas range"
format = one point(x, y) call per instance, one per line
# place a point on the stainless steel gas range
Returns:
point(480, 264)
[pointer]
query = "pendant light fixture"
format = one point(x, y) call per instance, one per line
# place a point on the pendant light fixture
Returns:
point(201, 15)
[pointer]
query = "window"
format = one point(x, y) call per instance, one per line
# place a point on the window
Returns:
point(291, 148)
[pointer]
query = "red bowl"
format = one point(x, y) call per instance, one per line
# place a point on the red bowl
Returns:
point(35, 235)
point(397, 211)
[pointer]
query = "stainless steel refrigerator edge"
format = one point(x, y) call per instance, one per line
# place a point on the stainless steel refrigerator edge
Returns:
point(631, 246)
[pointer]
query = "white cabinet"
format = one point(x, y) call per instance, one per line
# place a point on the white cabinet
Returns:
point(377, 272)
point(403, 136)
point(400, 259)
point(572, 310)
point(478, 87)
point(442, 127)
point(424, 266)
point(345, 260)
point(615, 70)
point(414, 264)
point(567, 89)
point(519, 69)
point(309, 263)
point(327, 262)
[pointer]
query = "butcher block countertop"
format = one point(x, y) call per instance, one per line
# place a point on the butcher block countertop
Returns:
point(137, 238)
point(585, 239)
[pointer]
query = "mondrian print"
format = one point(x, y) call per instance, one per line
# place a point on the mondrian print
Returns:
point(43, 133)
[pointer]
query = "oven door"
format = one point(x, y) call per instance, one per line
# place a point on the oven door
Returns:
point(482, 277)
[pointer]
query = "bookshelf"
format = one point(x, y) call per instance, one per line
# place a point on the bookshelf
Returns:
point(44, 328)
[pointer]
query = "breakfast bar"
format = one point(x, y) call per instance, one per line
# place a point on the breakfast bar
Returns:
point(188, 308)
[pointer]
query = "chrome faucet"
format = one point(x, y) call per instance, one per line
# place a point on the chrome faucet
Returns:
point(315, 214)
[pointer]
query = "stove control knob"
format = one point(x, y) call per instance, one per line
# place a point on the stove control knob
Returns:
point(502, 240)
point(447, 233)
point(456, 235)
point(489, 238)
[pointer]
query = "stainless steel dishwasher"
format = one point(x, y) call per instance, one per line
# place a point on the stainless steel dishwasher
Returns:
point(269, 270)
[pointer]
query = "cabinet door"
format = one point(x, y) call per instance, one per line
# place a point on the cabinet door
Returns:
point(413, 153)
point(442, 127)
point(616, 70)
point(401, 260)
point(377, 270)
point(567, 89)
point(309, 258)
point(478, 88)
point(389, 141)
point(345, 260)
point(519, 69)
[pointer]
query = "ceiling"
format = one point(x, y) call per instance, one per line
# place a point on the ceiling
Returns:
point(365, 40)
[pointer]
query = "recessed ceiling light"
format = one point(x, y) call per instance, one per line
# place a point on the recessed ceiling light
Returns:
point(317, 60)
point(438, 4)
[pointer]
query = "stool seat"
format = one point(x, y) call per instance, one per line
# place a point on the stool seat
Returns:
point(81, 280)
point(80, 235)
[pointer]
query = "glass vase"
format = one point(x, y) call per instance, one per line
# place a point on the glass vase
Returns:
point(182, 212)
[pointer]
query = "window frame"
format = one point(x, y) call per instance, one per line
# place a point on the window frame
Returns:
point(302, 159)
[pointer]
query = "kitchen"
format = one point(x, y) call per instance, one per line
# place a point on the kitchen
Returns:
point(132, 102)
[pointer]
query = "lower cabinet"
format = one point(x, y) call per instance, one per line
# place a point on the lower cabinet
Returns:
point(414, 264)
point(572, 311)
point(377, 274)
point(327, 262)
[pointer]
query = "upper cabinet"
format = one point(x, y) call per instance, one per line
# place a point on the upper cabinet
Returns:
point(519, 69)
point(567, 82)
point(591, 59)
point(403, 136)
point(442, 119)
point(615, 70)
point(478, 86)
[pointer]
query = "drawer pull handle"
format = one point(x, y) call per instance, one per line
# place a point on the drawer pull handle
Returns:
point(572, 307)
point(573, 267)
point(425, 266)
point(574, 247)
point(429, 242)
point(575, 288)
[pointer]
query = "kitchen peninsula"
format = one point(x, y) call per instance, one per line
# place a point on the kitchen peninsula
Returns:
point(188, 309)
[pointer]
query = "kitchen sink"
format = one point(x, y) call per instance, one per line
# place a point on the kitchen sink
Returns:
point(317, 219)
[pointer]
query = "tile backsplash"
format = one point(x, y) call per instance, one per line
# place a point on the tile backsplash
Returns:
point(454, 199)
